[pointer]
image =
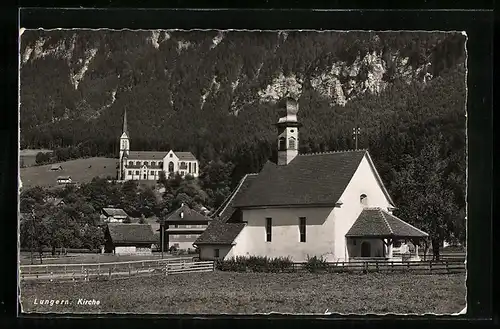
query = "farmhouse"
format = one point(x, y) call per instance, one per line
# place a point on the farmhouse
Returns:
point(129, 238)
point(56, 167)
point(113, 215)
point(332, 205)
point(64, 180)
point(147, 165)
point(183, 226)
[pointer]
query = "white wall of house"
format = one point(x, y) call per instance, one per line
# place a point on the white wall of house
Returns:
point(125, 250)
point(154, 173)
point(285, 240)
point(207, 252)
point(363, 182)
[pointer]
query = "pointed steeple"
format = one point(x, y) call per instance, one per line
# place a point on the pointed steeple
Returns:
point(125, 130)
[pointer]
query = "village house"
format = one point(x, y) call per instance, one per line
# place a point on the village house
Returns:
point(113, 215)
point(129, 238)
point(56, 167)
point(63, 180)
point(147, 165)
point(332, 205)
point(183, 226)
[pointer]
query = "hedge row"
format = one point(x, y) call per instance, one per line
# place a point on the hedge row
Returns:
point(267, 264)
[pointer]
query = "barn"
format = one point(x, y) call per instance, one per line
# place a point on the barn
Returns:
point(129, 238)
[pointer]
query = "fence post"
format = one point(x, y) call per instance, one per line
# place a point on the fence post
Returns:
point(109, 277)
point(376, 264)
point(447, 269)
point(430, 266)
point(129, 270)
point(86, 274)
point(65, 269)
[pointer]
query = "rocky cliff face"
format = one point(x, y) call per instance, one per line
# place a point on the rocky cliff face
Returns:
point(75, 84)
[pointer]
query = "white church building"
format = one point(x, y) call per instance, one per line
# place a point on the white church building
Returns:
point(147, 165)
point(332, 205)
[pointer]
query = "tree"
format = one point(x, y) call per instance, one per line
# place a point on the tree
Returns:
point(424, 199)
point(34, 231)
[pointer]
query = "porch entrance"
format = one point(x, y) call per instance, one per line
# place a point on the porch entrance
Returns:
point(366, 249)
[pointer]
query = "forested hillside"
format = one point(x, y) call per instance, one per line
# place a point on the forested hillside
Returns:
point(214, 93)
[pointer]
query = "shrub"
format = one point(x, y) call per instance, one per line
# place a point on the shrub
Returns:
point(280, 264)
point(255, 264)
point(316, 264)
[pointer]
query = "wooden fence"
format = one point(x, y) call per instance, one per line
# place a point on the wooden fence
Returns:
point(417, 267)
point(71, 272)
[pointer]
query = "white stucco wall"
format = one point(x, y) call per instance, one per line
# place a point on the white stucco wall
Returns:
point(207, 252)
point(286, 235)
point(363, 182)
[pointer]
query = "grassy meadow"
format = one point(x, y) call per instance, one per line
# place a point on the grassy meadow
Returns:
point(80, 170)
point(244, 293)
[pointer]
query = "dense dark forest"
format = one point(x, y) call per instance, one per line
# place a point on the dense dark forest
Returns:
point(215, 93)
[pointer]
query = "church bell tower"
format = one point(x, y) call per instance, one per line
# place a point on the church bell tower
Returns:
point(124, 146)
point(288, 131)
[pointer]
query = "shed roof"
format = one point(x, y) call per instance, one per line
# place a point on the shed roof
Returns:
point(115, 212)
point(131, 233)
point(377, 222)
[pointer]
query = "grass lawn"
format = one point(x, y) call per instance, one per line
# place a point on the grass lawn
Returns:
point(88, 258)
point(244, 293)
point(80, 170)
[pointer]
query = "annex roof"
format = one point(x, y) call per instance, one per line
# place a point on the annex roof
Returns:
point(187, 156)
point(377, 222)
point(309, 179)
point(131, 233)
point(220, 230)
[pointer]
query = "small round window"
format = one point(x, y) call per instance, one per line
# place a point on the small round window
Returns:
point(291, 131)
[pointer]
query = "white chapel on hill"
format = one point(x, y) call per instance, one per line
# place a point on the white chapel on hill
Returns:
point(332, 205)
point(147, 165)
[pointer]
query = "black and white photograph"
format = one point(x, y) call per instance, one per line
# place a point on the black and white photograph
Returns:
point(242, 171)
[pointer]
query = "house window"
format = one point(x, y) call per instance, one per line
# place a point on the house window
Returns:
point(144, 176)
point(282, 144)
point(137, 172)
point(194, 167)
point(183, 165)
point(302, 229)
point(354, 242)
point(176, 226)
point(170, 166)
point(171, 155)
point(146, 163)
point(130, 163)
point(216, 253)
point(363, 199)
point(153, 163)
point(130, 172)
point(137, 163)
point(291, 143)
point(269, 224)
point(189, 167)
point(151, 172)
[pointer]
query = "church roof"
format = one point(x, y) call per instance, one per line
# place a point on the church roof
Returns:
point(309, 179)
point(220, 230)
point(146, 155)
point(376, 222)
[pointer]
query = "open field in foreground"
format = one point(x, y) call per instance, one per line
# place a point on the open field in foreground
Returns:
point(88, 258)
point(244, 293)
point(80, 170)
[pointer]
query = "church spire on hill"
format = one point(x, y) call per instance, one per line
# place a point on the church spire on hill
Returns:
point(125, 130)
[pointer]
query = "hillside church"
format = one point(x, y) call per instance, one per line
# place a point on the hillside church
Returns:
point(332, 205)
point(147, 165)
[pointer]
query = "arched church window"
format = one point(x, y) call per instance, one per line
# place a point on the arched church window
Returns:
point(170, 166)
point(145, 163)
point(363, 199)
point(153, 163)
point(130, 163)
point(137, 163)
point(282, 144)
point(291, 143)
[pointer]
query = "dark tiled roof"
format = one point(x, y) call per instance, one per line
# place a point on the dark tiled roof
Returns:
point(189, 215)
point(63, 177)
point(376, 222)
point(115, 212)
point(220, 231)
point(188, 156)
point(131, 233)
point(146, 155)
point(309, 179)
